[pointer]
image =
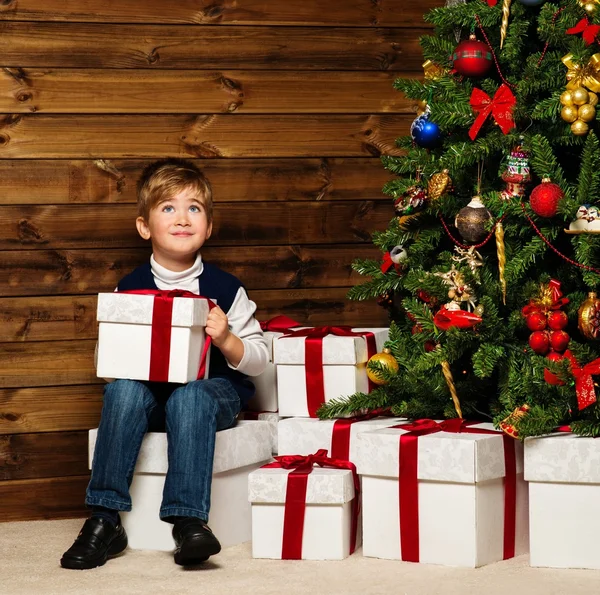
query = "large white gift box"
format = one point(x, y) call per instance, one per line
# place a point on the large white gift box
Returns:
point(238, 451)
point(327, 524)
point(343, 363)
point(453, 486)
point(125, 338)
point(272, 418)
point(563, 471)
point(305, 435)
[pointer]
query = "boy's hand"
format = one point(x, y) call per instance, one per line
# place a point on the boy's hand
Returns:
point(217, 326)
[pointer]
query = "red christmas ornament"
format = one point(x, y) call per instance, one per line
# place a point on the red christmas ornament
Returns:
point(539, 342)
point(559, 340)
point(544, 198)
point(536, 321)
point(429, 345)
point(557, 320)
point(472, 57)
point(549, 377)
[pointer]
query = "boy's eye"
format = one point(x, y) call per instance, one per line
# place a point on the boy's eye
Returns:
point(167, 209)
point(194, 209)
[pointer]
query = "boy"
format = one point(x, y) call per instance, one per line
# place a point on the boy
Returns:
point(175, 214)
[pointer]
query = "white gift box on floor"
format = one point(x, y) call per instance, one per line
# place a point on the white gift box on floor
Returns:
point(563, 471)
point(305, 435)
point(125, 337)
point(344, 368)
point(238, 451)
point(272, 418)
point(460, 497)
point(328, 513)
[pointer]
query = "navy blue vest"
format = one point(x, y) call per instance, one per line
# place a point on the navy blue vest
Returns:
point(216, 285)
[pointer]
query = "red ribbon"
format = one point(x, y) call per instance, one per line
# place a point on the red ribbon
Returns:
point(500, 107)
point(584, 383)
point(315, 387)
point(295, 498)
point(162, 314)
point(445, 319)
point(408, 484)
point(558, 301)
point(340, 436)
point(279, 324)
point(589, 31)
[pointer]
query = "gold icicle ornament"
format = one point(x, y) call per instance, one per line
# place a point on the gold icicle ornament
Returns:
point(438, 184)
point(505, 17)
point(501, 253)
point(450, 382)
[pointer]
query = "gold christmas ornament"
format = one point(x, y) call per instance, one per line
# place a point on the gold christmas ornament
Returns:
point(505, 17)
point(587, 113)
point(501, 254)
point(583, 75)
point(451, 387)
point(386, 359)
point(566, 98)
point(593, 101)
point(579, 128)
point(580, 96)
point(438, 184)
point(588, 317)
point(421, 107)
point(569, 113)
point(590, 6)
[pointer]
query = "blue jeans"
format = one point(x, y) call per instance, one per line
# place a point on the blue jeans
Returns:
point(191, 415)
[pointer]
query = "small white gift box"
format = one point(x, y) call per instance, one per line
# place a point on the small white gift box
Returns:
point(238, 451)
point(442, 500)
point(563, 471)
point(127, 329)
point(343, 366)
point(327, 526)
point(272, 418)
point(305, 435)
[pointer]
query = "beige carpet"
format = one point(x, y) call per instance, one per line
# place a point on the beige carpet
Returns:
point(29, 555)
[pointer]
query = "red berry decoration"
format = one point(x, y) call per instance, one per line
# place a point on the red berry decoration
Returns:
point(544, 198)
point(472, 57)
point(549, 377)
point(429, 345)
point(559, 340)
point(536, 321)
point(539, 342)
point(557, 320)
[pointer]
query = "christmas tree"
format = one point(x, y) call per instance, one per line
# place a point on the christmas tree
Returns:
point(492, 251)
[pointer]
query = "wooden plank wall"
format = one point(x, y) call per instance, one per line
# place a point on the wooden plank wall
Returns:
point(286, 105)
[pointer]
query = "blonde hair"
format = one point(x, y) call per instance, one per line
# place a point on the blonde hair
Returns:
point(164, 179)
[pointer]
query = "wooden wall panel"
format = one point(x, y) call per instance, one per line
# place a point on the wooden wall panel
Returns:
point(286, 106)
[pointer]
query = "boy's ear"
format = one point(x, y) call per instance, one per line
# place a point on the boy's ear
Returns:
point(209, 230)
point(142, 228)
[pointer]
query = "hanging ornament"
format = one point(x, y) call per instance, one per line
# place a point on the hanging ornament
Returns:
point(507, 425)
point(451, 387)
point(550, 377)
point(500, 107)
point(516, 174)
point(505, 17)
point(501, 255)
point(459, 290)
point(539, 341)
point(451, 4)
point(580, 128)
point(590, 6)
point(386, 300)
point(471, 257)
point(536, 321)
point(559, 340)
point(421, 107)
point(387, 360)
point(394, 258)
point(438, 184)
point(412, 200)
point(589, 31)
point(433, 71)
point(471, 57)
point(588, 317)
point(557, 320)
point(471, 221)
point(545, 197)
point(424, 132)
point(451, 316)
point(587, 220)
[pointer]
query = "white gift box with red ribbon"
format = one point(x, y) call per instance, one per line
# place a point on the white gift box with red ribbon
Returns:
point(443, 498)
point(341, 365)
point(128, 345)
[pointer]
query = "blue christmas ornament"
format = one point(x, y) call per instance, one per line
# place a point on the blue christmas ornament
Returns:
point(532, 2)
point(424, 132)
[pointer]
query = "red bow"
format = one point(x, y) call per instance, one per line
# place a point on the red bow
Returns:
point(584, 383)
point(558, 301)
point(500, 107)
point(279, 324)
point(445, 319)
point(295, 497)
point(589, 31)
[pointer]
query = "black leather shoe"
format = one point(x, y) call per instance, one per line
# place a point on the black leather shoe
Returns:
point(97, 541)
point(194, 540)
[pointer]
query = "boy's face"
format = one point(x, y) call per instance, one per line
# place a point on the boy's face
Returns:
point(178, 228)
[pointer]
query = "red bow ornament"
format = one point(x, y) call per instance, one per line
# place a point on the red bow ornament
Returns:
point(501, 108)
point(589, 31)
point(584, 383)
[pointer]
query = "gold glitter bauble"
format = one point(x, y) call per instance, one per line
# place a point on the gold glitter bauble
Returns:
point(587, 113)
point(580, 96)
point(386, 359)
point(569, 113)
point(593, 100)
point(566, 98)
point(588, 317)
point(438, 184)
point(590, 7)
point(579, 128)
